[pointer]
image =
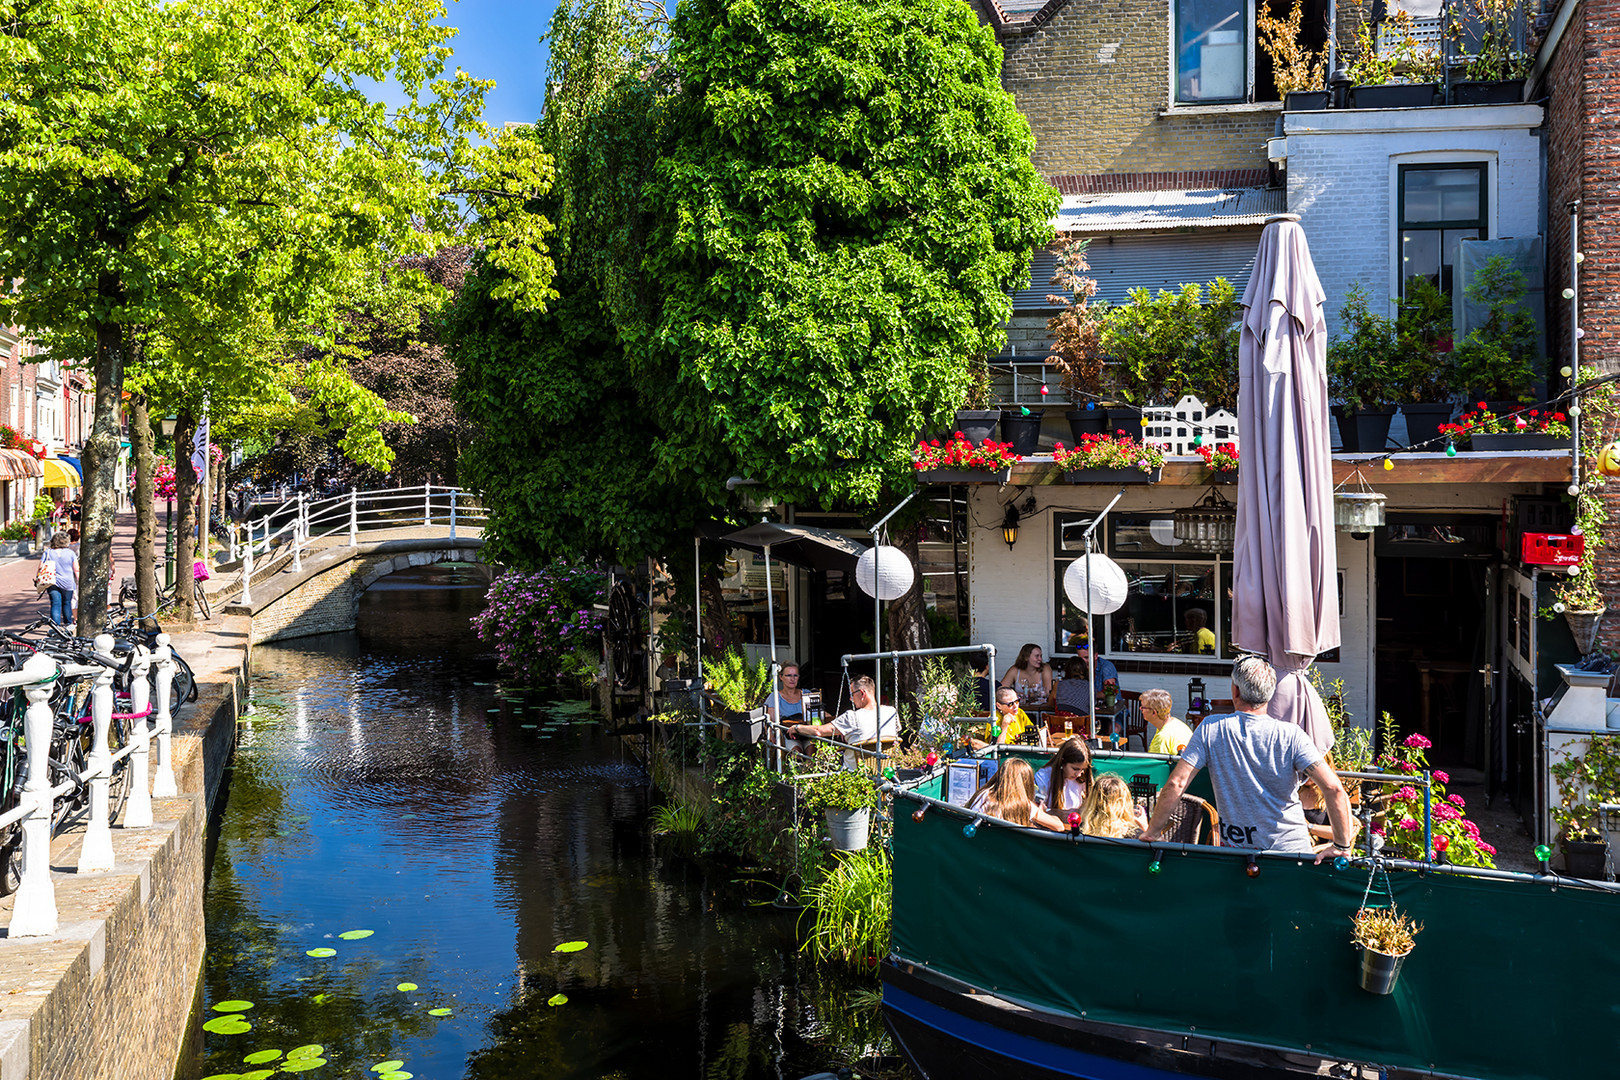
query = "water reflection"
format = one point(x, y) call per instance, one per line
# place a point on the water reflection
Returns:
point(383, 783)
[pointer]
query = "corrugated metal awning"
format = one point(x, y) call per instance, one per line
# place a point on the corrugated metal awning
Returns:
point(1135, 211)
point(1153, 262)
point(19, 465)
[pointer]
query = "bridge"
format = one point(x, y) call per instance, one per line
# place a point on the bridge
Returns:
point(300, 569)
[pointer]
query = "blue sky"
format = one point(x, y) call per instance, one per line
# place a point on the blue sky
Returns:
point(500, 40)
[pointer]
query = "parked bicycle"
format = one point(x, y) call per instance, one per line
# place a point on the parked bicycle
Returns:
point(166, 597)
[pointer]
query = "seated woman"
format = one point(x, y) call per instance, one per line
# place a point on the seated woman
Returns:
point(1072, 690)
point(1070, 768)
point(1030, 676)
point(1110, 811)
point(1010, 796)
point(1005, 726)
point(1316, 815)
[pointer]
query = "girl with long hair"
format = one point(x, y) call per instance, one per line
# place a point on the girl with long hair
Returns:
point(1010, 796)
point(1030, 676)
point(1061, 784)
point(1110, 810)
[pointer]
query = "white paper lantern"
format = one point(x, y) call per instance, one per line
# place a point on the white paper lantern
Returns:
point(1105, 590)
point(893, 571)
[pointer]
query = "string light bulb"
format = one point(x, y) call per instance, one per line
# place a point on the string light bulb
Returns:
point(917, 815)
point(970, 828)
point(1045, 390)
point(1451, 450)
point(1569, 294)
point(1566, 371)
point(1580, 257)
point(1389, 464)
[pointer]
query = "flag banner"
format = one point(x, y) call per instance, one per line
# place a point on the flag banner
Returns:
point(199, 448)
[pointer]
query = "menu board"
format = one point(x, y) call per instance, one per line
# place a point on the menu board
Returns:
point(962, 781)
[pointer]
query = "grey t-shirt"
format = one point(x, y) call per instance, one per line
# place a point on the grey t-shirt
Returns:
point(1256, 763)
point(62, 561)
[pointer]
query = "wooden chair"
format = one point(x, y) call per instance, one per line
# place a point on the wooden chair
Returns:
point(1131, 706)
point(1055, 722)
point(1187, 822)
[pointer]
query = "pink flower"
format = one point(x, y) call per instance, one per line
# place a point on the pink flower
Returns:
point(1406, 766)
point(1409, 825)
point(1447, 813)
point(1470, 828)
point(1455, 800)
point(1441, 778)
point(1486, 848)
point(1407, 792)
point(1415, 741)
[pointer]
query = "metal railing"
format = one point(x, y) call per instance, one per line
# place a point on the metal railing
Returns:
point(34, 911)
point(265, 545)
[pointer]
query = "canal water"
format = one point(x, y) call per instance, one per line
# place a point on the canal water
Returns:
point(384, 783)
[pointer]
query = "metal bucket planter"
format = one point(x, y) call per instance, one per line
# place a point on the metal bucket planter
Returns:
point(1584, 626)
point(1488, 92)
point(1305, 100)
point(1223, 476)
point(1380, 971)
point(848, 829)
point(964, 476)
point(747, 727)
point(977, 425)
point(1113, 476)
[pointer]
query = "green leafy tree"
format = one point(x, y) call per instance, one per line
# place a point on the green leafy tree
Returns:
point(1363, 362)
point(164, 165)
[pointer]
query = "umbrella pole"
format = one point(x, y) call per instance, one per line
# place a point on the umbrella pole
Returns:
point(1091, 645)
point(770, 620)
point(697, 616)
point(877, 636)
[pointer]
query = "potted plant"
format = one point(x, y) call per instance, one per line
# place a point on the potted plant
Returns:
point(958, 461)
point(1392, 70)
point(1362, 374)
point(1579, 600)
point(1528, 429)
point(1172, 344)
point(739, 687)
point(1486, 32)
point(1110, 458)
point(1499, 360)
point(1586, 781)
point(1300, 73)
point(974, 420)
point(1221, 460)
point(1385, 938)
point(845, 799)
point(1422, 338)
point(1077, 350)
point(1021, 428)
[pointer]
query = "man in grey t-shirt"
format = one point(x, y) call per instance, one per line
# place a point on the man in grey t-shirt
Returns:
point(1255, 763)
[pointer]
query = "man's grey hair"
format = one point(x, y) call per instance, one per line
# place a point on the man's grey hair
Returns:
point(862, 682)
point(1253, 681)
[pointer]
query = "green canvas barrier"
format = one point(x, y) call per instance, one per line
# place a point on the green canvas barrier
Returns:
point(1509, 979)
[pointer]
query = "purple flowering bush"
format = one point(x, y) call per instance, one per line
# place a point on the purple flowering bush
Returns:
point(1456, 839)
point(543, 624)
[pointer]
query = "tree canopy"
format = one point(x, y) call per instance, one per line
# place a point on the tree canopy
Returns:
point(787, 232)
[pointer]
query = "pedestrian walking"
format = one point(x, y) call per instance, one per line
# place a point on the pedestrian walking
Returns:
point(58, 577)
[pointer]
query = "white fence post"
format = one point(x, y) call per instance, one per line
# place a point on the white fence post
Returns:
point(233, 541)
point(354, 517)
point(247, 569)
point(297, 535)
point(33, 913)
point(452, 513)
point(138, 815)
point(96, 853)
point(163, 780)
point(427, 506)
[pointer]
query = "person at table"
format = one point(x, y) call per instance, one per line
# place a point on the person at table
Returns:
point(1074, 692)
point(866, 721)
point(1316, 813)
point(1030, 676)
point(786, 704)
point(1255, 762)
point(1199, 637)
point(1170, 735)
point(1110, 811)
point(1068, 774)
point(1010, 796)
point(983, 684)
point(1005, 726)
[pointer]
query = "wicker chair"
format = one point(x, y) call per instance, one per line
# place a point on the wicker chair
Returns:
point(887, 745)
point(1187, 823)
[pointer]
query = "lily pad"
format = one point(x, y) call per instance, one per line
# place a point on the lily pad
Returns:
point(224, 1076)
point(259, 1074)
point(228, 1025)
point(396, 1075)
point(387, 1066)
point(356, 935)
point(233, 1006)
point(304, 1053)
point(320, 953)
point(438, 1012)
point(405, 988)
point(557, 999)
point(571, 946)
point(259, 1057)
point(321, 999)
point(303, 1065)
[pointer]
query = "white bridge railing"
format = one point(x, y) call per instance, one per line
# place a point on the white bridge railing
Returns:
point(34, 912)
point(286, 534)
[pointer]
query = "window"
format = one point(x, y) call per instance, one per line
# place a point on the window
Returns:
point(1212, 51)
point(1440, 206)
point(1178, 604)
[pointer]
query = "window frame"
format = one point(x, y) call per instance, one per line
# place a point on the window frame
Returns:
point(1173, 60)
point(1402, 226)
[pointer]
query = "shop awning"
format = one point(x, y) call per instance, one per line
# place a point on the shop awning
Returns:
point(60, 474)
point(799, 545)
point(18, 465)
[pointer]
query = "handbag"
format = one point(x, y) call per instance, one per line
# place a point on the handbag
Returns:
point(44, 577)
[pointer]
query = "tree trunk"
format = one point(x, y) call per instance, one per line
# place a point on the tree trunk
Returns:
point(100, 461)
point(908, 626)
point(185, 490)
point(140, 437)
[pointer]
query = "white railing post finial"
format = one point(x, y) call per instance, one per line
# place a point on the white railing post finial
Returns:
point(138, 814)
point(163, 779)
point(297, 535)
point(354, 517)
point(452, 513)
point(33, 913)
point(96, 852)
point(247, 571)
point(232, 534)
point(427, 506)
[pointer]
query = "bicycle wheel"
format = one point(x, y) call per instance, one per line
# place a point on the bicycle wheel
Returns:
point(68, 763)
point(202, 600)
point(11, 838)
point(118, 783)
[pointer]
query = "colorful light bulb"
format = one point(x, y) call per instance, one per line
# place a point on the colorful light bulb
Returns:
point(1389, 465)
point(1451, 450)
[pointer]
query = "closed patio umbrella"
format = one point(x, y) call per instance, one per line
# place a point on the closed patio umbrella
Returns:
point(1285, 597)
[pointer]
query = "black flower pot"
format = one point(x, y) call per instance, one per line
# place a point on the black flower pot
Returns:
point(1085, 422)
point(977, 425)
point(1126, 418)
point(1363, 430)
point(1023, 431)
point(1305, 100)
point(1423, 420)
point(1585, 859)
point(1505, 441)
point(1395, 96)
point(1491, 92)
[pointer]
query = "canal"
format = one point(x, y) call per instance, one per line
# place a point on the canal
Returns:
point(385, 783)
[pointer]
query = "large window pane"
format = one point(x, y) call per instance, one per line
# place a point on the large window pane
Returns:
point(1450, 195)
point(1211, 51)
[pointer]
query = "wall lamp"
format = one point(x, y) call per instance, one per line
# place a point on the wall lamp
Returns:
point(1009, 526)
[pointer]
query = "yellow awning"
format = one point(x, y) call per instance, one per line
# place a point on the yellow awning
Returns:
point(60, 474)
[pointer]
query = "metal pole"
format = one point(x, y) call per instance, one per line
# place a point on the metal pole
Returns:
point(33, 911)
point(168, 545)
point(1091, 641)
point(453, 518)
point(1575, 346)
point(96, 853)
point(877, 611)
point(770, 618)
point(297, 535)
point(247, 569)
point(697, 621)
point(427, 505)
point(354, 517)
point(163, 786)
point(138, 812)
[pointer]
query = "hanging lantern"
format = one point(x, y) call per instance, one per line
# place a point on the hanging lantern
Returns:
point(1608, 462)
point(1101, 590)
point(884, 572)
point(1208, 525)
point(1359, 510)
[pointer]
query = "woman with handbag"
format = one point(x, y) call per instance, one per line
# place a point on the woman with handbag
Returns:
point(58, 577)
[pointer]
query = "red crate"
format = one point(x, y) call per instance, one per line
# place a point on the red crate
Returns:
point(1553, 549)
